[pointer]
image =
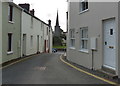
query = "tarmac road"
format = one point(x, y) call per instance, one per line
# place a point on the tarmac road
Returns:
point(45, 69)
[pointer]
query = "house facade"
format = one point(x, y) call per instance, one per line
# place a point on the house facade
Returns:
point(93, 35)
point(46, 38)
point(0, 32)
point(22, 33)
point(31, 34)
point(11, 28)
point(50, 37)
point(35, 35)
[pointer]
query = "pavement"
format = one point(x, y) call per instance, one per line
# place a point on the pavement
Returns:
point(46, 69)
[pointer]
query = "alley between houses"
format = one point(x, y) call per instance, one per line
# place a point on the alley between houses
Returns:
point(45, 69)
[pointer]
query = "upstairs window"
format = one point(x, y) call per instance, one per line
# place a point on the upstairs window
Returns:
point(31, 22)
point(47, 30)
point(10, 13)
point(83, 5)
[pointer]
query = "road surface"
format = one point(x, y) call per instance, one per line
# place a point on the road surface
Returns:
point(45, 69)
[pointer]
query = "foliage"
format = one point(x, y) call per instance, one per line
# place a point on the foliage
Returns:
point(59, 47)
point(57, 41)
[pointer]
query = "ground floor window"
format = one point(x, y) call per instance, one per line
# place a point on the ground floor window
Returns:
point(84, 38)
point(9, 42)
point(72, 38)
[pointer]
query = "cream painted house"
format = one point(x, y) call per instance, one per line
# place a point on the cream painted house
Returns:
point(22, 33)
point(94, 35)
point(0, 32)
point(11, 31)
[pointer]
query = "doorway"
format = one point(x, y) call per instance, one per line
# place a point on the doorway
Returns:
point(109, 43)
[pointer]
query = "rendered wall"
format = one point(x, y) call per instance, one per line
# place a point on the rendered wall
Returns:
point(14, 28)
point(35, 30)
point(92, 18)
point(0, 32)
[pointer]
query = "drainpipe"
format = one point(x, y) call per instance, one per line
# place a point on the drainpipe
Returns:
point(92, 59)
point(93, 46)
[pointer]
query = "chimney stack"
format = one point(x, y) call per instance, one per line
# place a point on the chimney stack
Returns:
point(32, 12)
point(25, 6)
point(49, 22)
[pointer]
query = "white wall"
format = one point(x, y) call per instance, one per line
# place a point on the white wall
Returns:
point(93, 20)
point(51, 40)
point(0, 32)
point(38, 30)
point(30, 30)
point(46, 36)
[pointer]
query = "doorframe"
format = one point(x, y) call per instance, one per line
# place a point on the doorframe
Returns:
point(116, 50)
point(38, 44)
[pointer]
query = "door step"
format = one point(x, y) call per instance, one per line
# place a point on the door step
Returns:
point(107, 74)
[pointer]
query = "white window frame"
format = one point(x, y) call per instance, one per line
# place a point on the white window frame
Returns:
point(11, 51)
point(31, 22)
point(81, 6)
point(10, 14)
point(72, 38)
point(84, 38)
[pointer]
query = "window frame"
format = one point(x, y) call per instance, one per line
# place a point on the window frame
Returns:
point(10, 45)
point(10, 13)
point(86, 4)
point(32, 19)
point(84, 38)
point(72, 38)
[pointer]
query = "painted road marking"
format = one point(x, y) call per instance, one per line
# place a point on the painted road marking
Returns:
point(40, 68)
point(100, 78)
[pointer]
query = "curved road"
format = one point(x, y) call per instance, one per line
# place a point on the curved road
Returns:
point(45, 69)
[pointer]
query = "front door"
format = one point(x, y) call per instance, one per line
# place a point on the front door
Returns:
point(109, 43)
point(37, 43)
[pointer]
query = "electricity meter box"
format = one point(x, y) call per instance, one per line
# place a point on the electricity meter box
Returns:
point(93, 43)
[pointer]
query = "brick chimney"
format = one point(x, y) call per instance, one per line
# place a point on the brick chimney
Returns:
point(25, 6)
point(32, 12)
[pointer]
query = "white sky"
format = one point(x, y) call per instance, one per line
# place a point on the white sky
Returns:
point(47, 9)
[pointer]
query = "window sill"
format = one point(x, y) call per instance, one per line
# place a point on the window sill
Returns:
point(11, 22)
point(84, 11)
point(10, 52)
point(72, 48)
point(84, 50)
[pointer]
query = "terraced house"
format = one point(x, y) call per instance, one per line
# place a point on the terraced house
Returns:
point(34, 33)
point(94, 35)
point(0, 31)
point(11, 31)
point(22, 33)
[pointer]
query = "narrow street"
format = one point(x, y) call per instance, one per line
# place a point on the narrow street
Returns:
point(45, 69)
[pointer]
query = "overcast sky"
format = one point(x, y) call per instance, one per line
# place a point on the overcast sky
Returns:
point(47, 9)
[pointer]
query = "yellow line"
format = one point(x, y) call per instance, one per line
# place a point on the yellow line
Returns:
point(105, 80)
point(16, 62)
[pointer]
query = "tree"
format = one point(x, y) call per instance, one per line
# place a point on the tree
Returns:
point(57, 41)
